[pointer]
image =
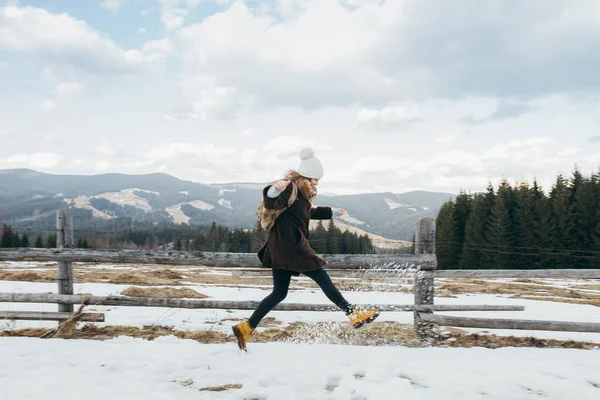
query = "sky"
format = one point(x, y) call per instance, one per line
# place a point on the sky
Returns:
point(393, 95)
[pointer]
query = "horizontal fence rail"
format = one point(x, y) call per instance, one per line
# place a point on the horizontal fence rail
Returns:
point(226, 304)
point(209, 259)
point(522, 324)
point(516, 273)
point(49, 316)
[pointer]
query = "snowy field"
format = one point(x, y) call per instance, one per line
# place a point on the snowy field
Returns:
point(168, 368)
point(317, 368)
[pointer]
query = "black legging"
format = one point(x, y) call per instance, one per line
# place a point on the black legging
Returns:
point(281, 283)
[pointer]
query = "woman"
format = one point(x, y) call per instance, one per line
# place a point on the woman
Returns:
point(287, 250)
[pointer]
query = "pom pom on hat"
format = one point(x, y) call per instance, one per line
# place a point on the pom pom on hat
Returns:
point(307, 153)
point(310, 166)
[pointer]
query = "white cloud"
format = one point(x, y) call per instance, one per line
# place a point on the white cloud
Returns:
point(284, 147)
point(49, 105)
point(70, 40)
point(102, 165)
point(389, 118)
point(68, 89)
point(141, 30)
point(175, 150)
point(174, 12)
point(3, 66)
point(384, 52)
point(112, 5)
point(248, 132)
point(3, 132)
point(447, 138)
point(208, 100)
point(33, 161)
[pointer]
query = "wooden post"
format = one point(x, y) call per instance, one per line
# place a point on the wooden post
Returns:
point(424, 283)
point(64, 238)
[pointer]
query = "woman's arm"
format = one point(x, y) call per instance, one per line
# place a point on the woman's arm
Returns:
point(321, 212)
point(276, 199)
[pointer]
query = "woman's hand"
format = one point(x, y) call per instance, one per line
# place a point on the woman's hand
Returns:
point(282, 184)
point(342, 212)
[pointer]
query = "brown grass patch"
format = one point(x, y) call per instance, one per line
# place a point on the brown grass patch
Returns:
point(591, 286)
point(562, 300)
point(222, 388)
point(93, 332)
point(136, 278)
point(28, 276)
point(496, 342)
point(165, 274)
point(528, 280)
point(163, 293)
point(374, 334)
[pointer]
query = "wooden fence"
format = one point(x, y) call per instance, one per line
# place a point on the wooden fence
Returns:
point(422, 264)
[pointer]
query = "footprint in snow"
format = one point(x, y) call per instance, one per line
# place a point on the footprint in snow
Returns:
point(332, 383)
point(413, 383)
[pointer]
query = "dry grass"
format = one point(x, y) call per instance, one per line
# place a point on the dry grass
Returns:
point(136, 278)
point(163, 293)
point(496, 342)
point(93, 332)
point(592, 286)
point(562, 300)
point(222, 388)
point(166, 274)
point(376, 333)
point(28, 276)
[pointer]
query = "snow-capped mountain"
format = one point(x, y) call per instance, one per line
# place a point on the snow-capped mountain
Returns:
point(27, 195)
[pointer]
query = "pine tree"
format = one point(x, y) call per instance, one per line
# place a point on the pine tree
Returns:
point(333, 237)
point(524, 240)
point(39, 242)
point(541, 224)
point(559, 225)
point(584, 203)
point(213, 238)
point(24, 240)
point(259, 236)
point(446, 250)
point(475, 233)
point(51, 241)
point(7, 236)
point(177, 245)
point(501, 229)
point(461, 209)
point(318, 239)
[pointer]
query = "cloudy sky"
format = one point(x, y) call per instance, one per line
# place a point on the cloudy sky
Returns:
point(392, 95)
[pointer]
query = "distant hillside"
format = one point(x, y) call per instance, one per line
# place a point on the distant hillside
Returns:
point(29, 199)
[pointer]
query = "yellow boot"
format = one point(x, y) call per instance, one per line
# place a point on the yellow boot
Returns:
point(358, 318)
point(242, 331)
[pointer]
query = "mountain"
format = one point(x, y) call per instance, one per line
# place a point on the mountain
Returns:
point(30, 199)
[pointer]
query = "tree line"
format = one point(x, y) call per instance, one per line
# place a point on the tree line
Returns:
point(520, 226)
point(213, 237)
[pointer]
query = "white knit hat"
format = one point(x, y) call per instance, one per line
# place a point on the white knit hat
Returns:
point(310, 166)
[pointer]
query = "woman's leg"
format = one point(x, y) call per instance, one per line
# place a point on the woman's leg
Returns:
point(321, 277)
point(281, 283)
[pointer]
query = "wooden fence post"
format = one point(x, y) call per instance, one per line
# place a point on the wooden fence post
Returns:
point(424, 286)
point(64, 238)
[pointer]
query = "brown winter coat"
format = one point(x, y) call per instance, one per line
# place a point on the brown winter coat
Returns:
point(287, 245)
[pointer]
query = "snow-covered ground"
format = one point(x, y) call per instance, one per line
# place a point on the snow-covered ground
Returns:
point(170, 368)
point(306, 368)
point(189, 319)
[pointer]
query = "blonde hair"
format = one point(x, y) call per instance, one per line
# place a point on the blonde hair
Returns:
point(292, 175)
point(304, 184)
